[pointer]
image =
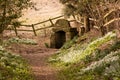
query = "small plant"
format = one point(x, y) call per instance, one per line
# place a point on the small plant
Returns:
point(22, 41)
point(46, 45)
point(116, 46)
point(108, 67)
point(13, 67)
point(89, 62)
point(69, 44)
point(76, 55)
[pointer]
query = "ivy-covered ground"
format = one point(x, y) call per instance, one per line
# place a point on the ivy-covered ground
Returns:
point(95, 59)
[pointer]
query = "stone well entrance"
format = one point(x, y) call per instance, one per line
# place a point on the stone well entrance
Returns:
point(61, 33)
point(60, 39)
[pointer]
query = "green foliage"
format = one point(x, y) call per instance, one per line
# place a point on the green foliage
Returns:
point(13, 67)
point(46, 45)
point(69, 44)
point(76, 55)
point(69, 72)
point(107, 67)
point(102, 68)
point(67, 47)
point(99, 11)
point(116, 46)
point(100, 54)
point(22, 41)
point(11, 10)
point(98, 65)
point(80, 51)
point(88, 7)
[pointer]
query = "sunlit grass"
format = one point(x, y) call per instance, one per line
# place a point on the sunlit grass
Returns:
point(96, 64)
point(74, 56)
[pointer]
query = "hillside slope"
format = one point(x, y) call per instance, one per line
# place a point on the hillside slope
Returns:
point(45, 10)
point(89, 59)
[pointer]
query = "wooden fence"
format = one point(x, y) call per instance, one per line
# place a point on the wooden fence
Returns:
point(34, 29)
point(33, 26)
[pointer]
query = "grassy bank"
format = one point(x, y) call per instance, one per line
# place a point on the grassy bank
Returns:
point(98, 59)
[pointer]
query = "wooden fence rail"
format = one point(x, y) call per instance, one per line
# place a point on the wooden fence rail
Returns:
point(34, 25)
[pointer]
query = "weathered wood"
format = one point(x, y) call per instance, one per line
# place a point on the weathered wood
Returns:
point(91, 19)
point(103, 30)
point(15, 29)
point(47, 20)
point(41, 22)
point(51, 22)
point(87, 23)
point(25, 30)
point(78, 22)
point(57, 17)
point(21, 30)
point(26, 25)
point(111, 21)
point(34, 30)
point(21, 25)
point(33, 25)
point(107, 14)
point(44, 28)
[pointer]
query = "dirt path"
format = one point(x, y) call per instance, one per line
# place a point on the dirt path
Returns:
point(37, 56)
point(38, 62)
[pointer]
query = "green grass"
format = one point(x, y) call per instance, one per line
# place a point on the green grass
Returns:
point(79, 52)
point(102, 65)
point(93, 63)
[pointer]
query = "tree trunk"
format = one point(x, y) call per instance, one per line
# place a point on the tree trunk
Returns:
point(1, 38)
point(3, 24)
point(82, 31)
point(103, 30)
point(86, 24)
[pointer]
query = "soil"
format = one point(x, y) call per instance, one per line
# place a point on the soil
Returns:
point(36, 55)
point(38, 62)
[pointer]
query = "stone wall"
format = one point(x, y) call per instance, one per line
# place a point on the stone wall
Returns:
point(61, 33)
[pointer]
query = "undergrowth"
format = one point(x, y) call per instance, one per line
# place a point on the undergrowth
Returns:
point(79, 51)
point(21, 41)
point(13, 67)
point(69, 43)
point(89, 62)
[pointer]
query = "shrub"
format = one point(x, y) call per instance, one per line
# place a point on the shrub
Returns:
point(46, 45)
point(88, 62)
point(69, 44)
point(108, 67)
point(115, 46)
point(22, 41)
point(76, 55)
point(13, 67)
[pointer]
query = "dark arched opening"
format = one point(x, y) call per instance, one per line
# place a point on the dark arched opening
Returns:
point(59, 39)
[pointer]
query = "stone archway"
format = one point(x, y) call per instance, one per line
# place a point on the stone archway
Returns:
point(61, 32)
point(60, 39)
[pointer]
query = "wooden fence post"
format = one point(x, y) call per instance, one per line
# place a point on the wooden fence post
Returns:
point(15, 29)
point(34, 30)
point(51, 22)
point(86, 23)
